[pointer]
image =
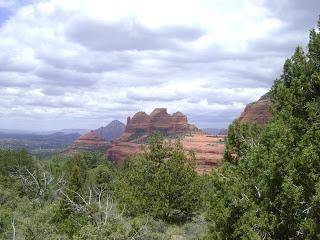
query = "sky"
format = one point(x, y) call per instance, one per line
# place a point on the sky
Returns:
point(83, 63)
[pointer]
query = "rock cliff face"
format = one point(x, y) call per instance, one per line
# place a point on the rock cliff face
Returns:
point(257, 112)
point(89, 142)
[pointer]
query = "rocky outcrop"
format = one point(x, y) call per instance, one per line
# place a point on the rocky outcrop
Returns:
point(257, 112)
point(142, 124)
point(139, 122)
point(89, 142)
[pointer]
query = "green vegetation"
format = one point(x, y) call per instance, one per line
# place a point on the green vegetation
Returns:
point(85, 196)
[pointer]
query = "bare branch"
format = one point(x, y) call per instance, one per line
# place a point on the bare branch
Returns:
point(13, 229)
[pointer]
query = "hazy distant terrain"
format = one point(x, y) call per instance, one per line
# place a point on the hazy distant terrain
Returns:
point(35, 143)
point(215, 131)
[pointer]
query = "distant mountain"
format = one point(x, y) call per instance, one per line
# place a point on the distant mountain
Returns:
point(112, 131)
point(14, 131)
point(29, 132)
point(65, 131)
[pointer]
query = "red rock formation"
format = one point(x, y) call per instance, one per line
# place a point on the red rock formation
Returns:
point(90, 141)
point(159, 120)
point(257, 112)
point(139, 121)
point(180, 122)
point(208, 149)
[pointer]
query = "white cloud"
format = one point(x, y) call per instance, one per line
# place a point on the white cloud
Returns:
point(83, 63)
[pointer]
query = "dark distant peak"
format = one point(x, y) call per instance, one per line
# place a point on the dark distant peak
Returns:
point(112, 131)
point(115, 123)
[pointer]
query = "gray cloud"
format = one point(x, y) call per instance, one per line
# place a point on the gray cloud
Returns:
point(128, 35)
point(295, 14)
point(94, 62)
point(67, 78)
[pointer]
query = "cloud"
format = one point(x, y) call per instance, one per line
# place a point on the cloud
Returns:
point(81, 63)
point(128, 34)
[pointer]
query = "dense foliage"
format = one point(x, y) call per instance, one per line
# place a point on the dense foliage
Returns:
point(269, 187)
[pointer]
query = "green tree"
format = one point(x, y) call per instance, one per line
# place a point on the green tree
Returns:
point(67, 217)
point(162, 182)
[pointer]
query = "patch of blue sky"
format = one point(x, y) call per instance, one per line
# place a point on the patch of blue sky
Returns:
point(9, 7)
